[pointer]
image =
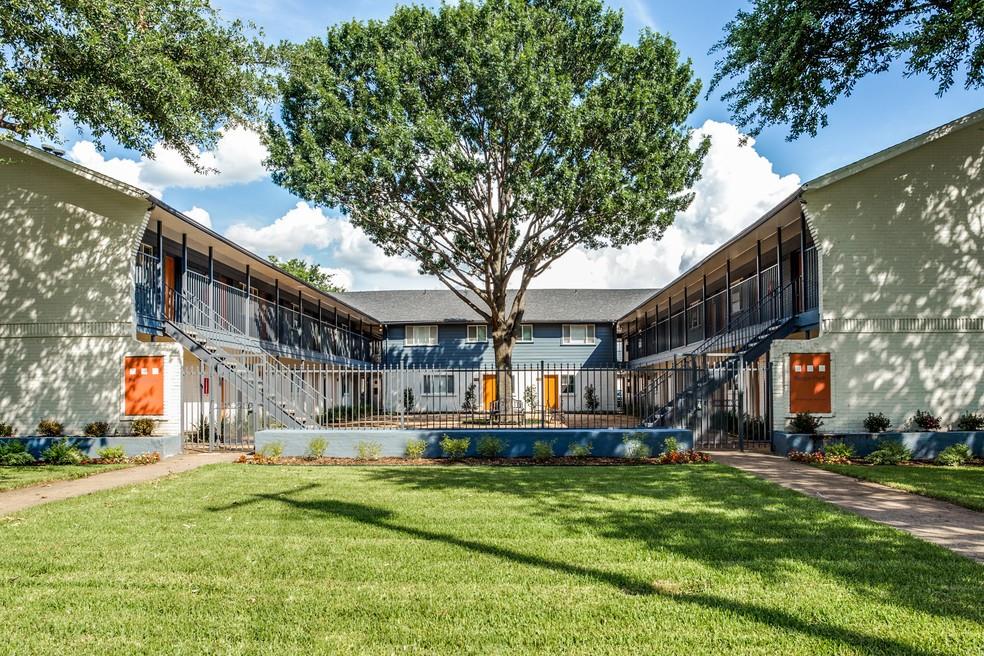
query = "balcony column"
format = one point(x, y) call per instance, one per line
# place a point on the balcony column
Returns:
point(249, 301)
point(160, 270)
point(686, 319)
point(276, 310)
point(779, 276)
point(727, 295)
point(703, 306)
point(656, 329)
point(802, 281)
point(211, 292)
point(184, 274)
point(758, 279)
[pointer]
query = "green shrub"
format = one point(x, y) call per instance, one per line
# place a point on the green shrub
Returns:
point(839, 450)
point(317, 447)
point(543, 450)
point(635, 446)
point(416, 448)
point(455, 448)
point(272, 450)
point(970, 421)
point(62, 453)
point(112, 454)
point(580, 450)
point(953, 455)
point(96, 429)
point(877, 423)
point(805, 423)
point(143, 427)
point(14, 452)
point(926, 421)
point(490, 446)
point(889, 452)
point(6, 430)
point(670, 445)
point(50, 428)
point(368, 450)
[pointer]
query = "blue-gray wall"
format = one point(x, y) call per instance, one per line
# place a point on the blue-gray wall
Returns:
point(924, 446)
point(453, 349)
point(89, 446)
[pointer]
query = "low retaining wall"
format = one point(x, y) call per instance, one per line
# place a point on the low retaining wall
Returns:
point(519, 443)
point(924, 446)
point(167, 446)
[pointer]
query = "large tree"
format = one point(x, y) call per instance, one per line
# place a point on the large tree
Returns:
point(138, 71)
point(791, 59)
point(308, 272)
point(488, 139)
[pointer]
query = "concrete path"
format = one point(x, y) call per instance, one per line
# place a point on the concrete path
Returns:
point(956, 528)
point(15, 500)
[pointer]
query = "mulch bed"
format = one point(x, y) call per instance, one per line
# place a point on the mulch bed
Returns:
point(563, 461)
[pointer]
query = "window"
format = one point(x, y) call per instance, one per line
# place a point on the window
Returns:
point(438, 384)
point(809, 382)
point(567, 383)
point(421, 336)
point(578, 333)
point(526, 332)
point(147, 249)
point(479, 333)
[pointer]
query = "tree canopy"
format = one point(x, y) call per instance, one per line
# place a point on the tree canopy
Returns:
point(488, 139)
point(138, 71)
point(791, 59)
point(308, 272)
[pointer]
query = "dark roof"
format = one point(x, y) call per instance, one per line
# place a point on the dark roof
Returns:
point(542, 305)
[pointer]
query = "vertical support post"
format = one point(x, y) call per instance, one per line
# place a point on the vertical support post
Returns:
point(686, 319)
point(770, 400)
point(211, 294)
point(740, 405)
point(543, 387)
point(779, 276)
point(179, 309)
point(160, 270)
point(703, 306)
point(249, 302)
point(276, 310)
point(655, 330)
point(802, 282)
point(212, 414)
point(727, 294)
point(758, 280)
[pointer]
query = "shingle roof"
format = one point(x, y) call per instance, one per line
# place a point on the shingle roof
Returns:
point(542, 305)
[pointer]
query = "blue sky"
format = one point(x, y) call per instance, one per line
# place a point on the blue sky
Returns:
point(883, 110)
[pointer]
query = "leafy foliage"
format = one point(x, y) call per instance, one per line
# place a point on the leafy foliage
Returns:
point(139, 72)
point(591, 400)
point(50, 428)
point(580, 450)
point(416, 448)
point(6, 430)
point(970, 421)
point(543, 450)
point(146, 458)
point(144, 427)
point(889, 452)
point(683, 457)
point(791, 60)
point(112, 454)
point(316, 447)
point(805, 423)
point(271, 450)
point(62, 453)
point(954, 455)
point(838, 452)
point(490, 446)
point(485, 140)
point(409, 400)
point(926, 421)
point(530, 397)
point(877, 423)
point(14, 452)
point(470, 404)
point(670, 445)
point(368, 450)
point(96, 429)
point(455, 448)
point(635, 446)
point(311, 273)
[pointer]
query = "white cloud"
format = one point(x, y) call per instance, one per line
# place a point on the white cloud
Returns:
point(236, 159)
point(198, 214)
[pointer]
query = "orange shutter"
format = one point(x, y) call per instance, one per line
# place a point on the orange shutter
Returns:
point(144, 380)
point(809, 382)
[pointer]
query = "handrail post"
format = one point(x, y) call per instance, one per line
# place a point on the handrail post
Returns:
point(160, 271)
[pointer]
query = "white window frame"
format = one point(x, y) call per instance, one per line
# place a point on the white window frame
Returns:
point(566, 379)
point(475, 339)
point(410, 335)
point(448, 384)
point(590, 338)
point(522, 327)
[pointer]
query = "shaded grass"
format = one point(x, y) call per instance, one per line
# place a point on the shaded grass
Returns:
point(963, 486)
point(378, 560)
point(16, 477)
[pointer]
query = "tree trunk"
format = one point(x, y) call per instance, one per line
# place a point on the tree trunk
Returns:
point(502, 344)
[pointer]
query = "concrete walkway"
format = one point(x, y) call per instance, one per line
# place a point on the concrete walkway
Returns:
point(26, 497)
point(956, 528)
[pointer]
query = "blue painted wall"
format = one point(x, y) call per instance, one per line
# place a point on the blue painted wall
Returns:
point(453, 349)
point(924, 446)
point(167, 446)
point(519, 443)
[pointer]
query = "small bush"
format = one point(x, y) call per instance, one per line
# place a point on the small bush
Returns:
point(416, 448)
point(838, 452)
point(954, 455)
point(805, 423)
point(271, 450)
point(670, 445)
point(62, 453)
point(144, 427)
point(877, 423)
point(635, 446)
point(970, 421)
point(802, 456)
point(490, 446)
point(316, 447)
point(146, 458)
point(580, 450)
point(543, 450)
point(50, 428)
point(455, 448)
point(6, 430)
point(683, 457)
point(96, 429)
point(889, 452)
point(112, 454)
point(368, 450)
point(925, 421)
point(14, 452)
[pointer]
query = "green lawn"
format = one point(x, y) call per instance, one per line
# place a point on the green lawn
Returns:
point(963, 486)
point(15, 477)
point(233, 559)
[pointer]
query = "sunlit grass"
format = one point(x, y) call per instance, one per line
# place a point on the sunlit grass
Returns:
point(16, 477)
point(693, 560)
point(963, 486)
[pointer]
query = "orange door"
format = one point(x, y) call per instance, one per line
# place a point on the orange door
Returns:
point(809, 382)
point(144, 381)
point(488, 390)
point(550, 388)
point(170, 268)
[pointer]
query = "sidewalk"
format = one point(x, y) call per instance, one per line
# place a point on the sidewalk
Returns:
point(22, 498)
point(956, 528)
